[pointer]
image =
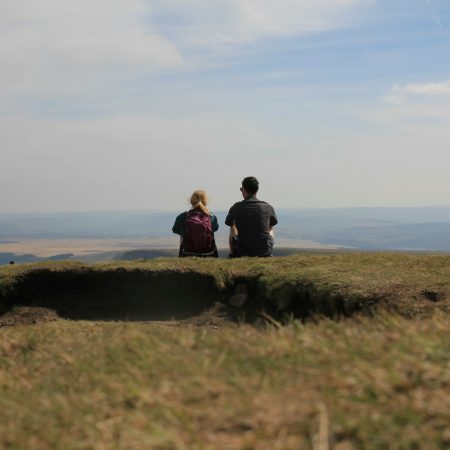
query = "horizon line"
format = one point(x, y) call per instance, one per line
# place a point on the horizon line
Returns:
point(173, 211)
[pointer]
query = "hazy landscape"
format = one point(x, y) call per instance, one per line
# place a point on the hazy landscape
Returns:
point(98, 236)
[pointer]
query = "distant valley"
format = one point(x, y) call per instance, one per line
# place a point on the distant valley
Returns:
point(113, 235)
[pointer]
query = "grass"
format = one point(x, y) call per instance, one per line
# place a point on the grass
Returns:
point(366, 384)
point(326, 284)
point(377, 381)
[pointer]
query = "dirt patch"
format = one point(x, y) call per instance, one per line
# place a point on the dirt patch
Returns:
point(119, 294)
point(432, 296)
point(169, 298)
point(27, 315)
point(216, 317)
point(172, 298)
point(186, 297)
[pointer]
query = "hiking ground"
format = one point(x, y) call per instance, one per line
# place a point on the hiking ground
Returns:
point(347, 351)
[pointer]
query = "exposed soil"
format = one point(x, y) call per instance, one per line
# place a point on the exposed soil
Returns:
point(218, 316)
point(27, 315)
point(187, 298)
point(173, 298)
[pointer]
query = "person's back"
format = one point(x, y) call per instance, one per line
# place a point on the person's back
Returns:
point(251, 222)
point(196, 228)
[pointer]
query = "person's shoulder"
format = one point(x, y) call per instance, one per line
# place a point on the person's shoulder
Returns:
point(182, 215)
point(267, 203)
point(178, 226)
point(265, 206)
point(236, 205)
point(231, 216)
point(264, 203)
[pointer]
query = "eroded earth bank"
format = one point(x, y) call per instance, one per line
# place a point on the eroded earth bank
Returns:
point(218, 292)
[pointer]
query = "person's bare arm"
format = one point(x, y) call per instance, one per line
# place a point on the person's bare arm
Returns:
point(271, 232)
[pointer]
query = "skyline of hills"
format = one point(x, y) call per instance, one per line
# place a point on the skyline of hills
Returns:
point(423, 228)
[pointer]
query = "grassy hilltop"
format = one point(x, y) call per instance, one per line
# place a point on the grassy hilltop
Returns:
point(334, 284)
point(125, 362)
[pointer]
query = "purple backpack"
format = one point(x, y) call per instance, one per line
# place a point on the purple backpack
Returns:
point(198, 238)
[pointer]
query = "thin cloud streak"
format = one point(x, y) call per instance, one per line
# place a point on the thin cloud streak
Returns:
point(400, 93)
point(433, 11)
point(233, 22)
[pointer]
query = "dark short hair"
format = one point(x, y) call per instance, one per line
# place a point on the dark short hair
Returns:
point(250, 184)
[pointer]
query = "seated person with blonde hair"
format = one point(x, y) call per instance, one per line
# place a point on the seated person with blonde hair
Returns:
point(196, 228)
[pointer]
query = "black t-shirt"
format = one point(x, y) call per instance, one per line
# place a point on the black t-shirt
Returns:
point(253, 219)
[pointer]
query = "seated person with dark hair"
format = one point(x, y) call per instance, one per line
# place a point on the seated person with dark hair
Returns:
point(251, 223)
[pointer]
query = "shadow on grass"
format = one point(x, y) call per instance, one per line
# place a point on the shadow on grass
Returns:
point(136, 295)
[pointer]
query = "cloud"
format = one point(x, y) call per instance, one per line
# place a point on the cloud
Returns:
point(292, 16)
point(425, 88)
point(54, 47)
point(51, 44)
point(202, 22)
point(400, 93)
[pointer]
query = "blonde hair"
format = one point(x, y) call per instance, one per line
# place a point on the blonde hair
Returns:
point(199, 200)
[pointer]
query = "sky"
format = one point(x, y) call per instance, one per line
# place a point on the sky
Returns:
point(132, 105)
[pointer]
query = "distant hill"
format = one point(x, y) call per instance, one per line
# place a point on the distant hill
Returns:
point(7, 257)
point(426, 228)
point(95, 225)
point(371, 228)
point(425, 236)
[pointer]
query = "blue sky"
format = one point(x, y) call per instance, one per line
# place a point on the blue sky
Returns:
point(133, 105)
